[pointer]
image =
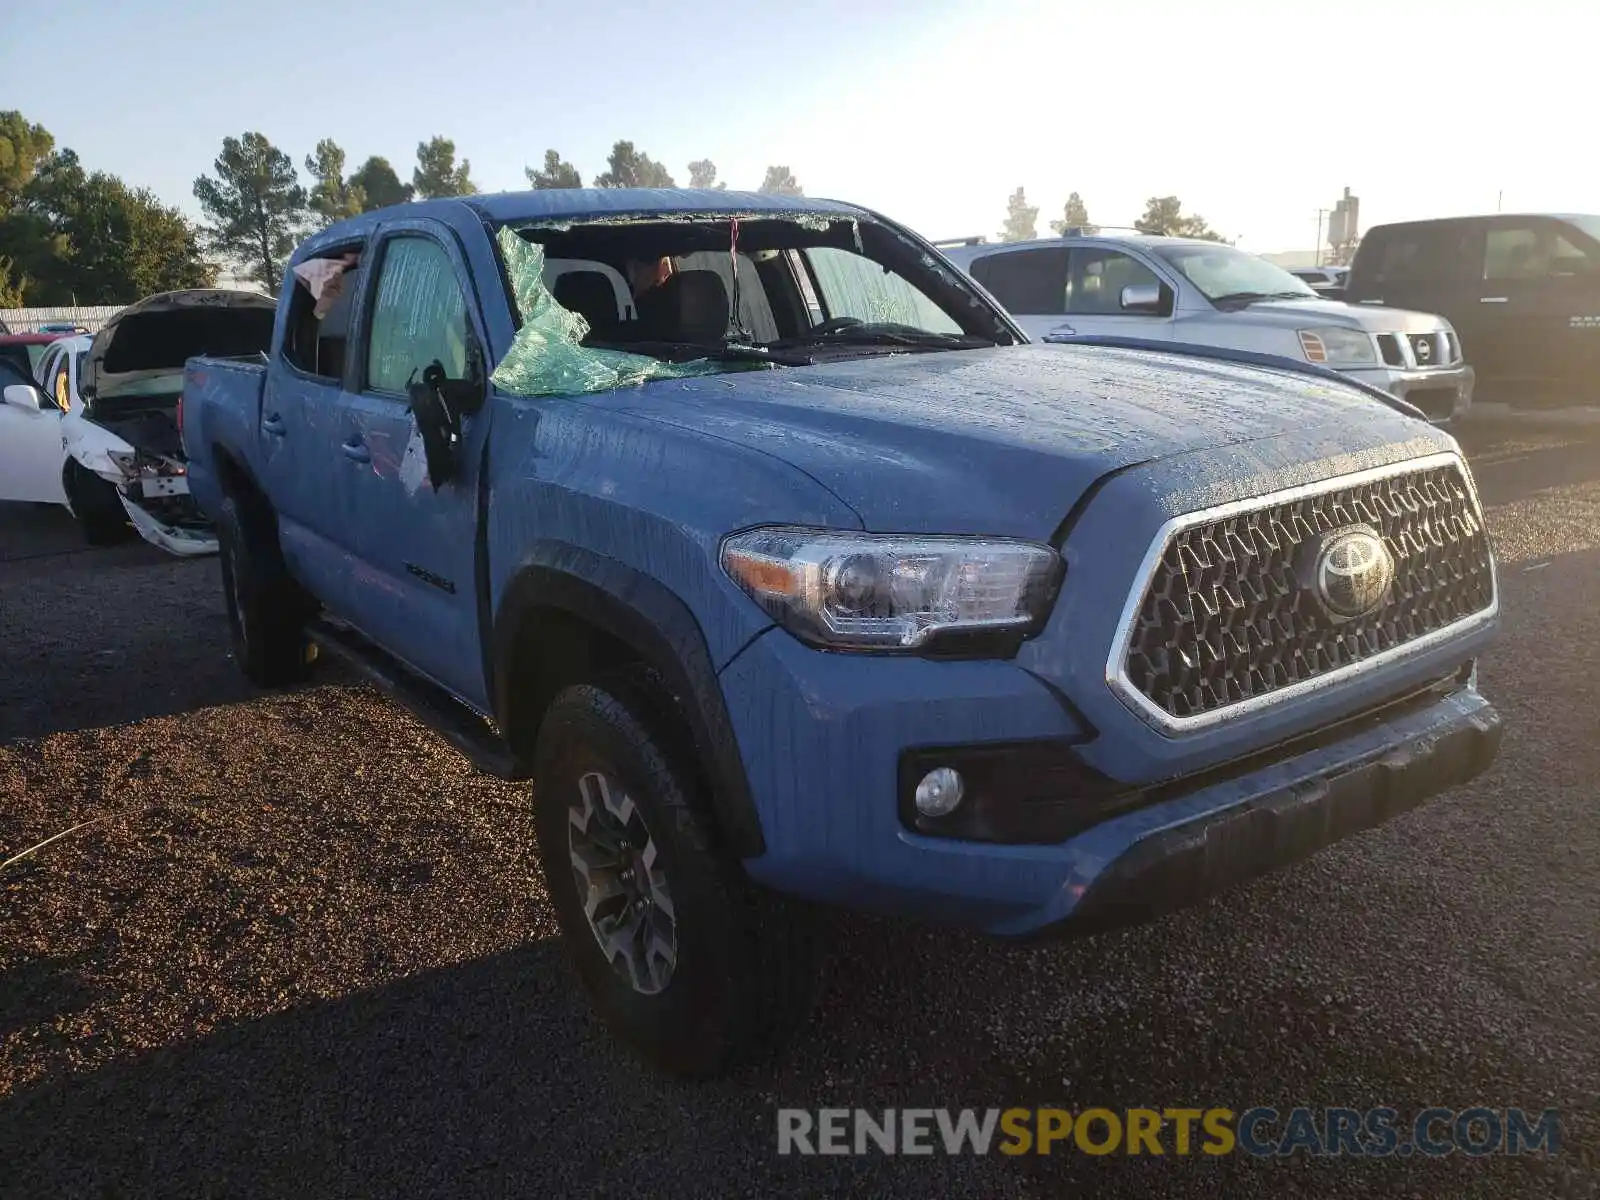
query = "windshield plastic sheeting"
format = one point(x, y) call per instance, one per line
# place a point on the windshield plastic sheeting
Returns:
point(546, 357)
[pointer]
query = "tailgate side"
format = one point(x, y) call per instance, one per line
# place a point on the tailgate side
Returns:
point(220, 417)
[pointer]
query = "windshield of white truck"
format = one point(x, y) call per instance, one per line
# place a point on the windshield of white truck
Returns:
point(1226, 275)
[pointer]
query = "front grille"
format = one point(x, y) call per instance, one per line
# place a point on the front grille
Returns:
point(1389, 347)
point(1452, 349)
point(1429, 349)
point(1229, 614)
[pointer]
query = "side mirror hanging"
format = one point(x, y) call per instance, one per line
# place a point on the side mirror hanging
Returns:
point(439, 403)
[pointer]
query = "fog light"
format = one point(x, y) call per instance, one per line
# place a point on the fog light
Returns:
point(939, 792)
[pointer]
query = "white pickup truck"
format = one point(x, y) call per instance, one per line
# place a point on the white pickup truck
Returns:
point(1148, 287)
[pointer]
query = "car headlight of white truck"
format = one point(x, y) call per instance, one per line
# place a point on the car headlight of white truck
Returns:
point(1337, 346)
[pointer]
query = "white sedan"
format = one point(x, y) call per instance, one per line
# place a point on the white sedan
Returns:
point(31, 450)
point(49, 452)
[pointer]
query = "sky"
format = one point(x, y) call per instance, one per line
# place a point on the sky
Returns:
point(1254, 114)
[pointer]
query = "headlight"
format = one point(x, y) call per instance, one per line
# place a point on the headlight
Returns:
point(133, 463)
point(892, 592)
point(1337, 345)
point(129, 462)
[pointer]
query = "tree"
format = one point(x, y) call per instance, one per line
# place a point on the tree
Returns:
point(91, 239)
point(126, 244)
point(379, 185)
point(332, 198)
point(556, 173)
point(1074, 216)
point(437, 174)
point(703, 174)
point(780, 181)
point(256, 207)
point(1163, 214)
point(1021, 219)
point(70, 236)
point(13, 285)
point(632, 168)
point(22, 148)
point(35, 248)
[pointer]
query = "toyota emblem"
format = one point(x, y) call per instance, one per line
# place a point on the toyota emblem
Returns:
point(1352, 571)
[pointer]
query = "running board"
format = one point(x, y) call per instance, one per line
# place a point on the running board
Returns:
point(464, 729)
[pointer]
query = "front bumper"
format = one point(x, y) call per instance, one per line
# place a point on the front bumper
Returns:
point(1294, 812)
point(1442, 393)
point(823, 737)
point(182, 540)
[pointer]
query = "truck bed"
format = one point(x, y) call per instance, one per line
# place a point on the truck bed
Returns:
point(216, 388)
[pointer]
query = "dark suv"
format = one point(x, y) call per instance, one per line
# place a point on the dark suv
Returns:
point(1523, 292)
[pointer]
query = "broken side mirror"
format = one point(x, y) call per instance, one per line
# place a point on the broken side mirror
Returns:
point(24, 396)
point(439, 404)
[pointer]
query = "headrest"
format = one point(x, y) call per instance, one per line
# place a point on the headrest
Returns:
point(588, 293)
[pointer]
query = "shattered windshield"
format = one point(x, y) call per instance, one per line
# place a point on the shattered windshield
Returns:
point(608, 304)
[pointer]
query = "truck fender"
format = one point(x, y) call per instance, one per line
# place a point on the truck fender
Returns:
point(653, 622)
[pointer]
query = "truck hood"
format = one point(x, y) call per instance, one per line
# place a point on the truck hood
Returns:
point(1001, 441)
point(1308, 314)
point(142, 349)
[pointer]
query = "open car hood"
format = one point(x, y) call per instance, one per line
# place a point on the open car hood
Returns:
point(142, 349)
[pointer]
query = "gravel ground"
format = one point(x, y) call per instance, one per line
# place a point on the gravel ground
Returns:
point(303, 950)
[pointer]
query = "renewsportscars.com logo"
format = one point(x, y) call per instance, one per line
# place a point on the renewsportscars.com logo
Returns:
point(1259, 1132)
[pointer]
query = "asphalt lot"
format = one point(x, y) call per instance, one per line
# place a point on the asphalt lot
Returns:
point(305, 951)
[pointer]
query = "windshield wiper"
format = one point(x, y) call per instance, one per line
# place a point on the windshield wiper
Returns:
point(868, 335)
point(1250, 297)
point(718, 351)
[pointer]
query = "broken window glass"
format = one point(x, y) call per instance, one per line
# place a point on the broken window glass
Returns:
point(547, 358)
point(855, 286)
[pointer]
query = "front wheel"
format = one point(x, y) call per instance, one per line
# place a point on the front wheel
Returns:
point(687, 961)
point(97, 507)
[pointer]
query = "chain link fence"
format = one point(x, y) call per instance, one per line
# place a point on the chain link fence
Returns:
point(33, 320)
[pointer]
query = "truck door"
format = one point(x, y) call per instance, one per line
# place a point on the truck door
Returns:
point(1539, 318)
point(305, 473)
point(1428, 267)
point(417, 538)
point(1030, 284)
point(1112, 293)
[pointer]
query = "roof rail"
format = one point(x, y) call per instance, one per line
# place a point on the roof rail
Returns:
point(1092, 230)
point(965, 241)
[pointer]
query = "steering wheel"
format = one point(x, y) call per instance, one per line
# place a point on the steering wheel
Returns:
point(835, 324)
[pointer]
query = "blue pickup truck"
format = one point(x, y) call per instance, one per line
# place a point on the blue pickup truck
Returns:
point(759, 540)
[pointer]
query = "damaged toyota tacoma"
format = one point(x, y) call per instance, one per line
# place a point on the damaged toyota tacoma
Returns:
point(760, 541)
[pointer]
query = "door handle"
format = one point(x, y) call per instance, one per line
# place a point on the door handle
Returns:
point(1493, 299)
point(272, 423)
point(356, 451)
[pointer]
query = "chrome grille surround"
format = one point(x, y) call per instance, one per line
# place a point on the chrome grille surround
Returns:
point(1444, 586)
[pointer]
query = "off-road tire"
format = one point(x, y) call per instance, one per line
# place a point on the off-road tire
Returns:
point(749, 963)
point(96, 506)
point(267, 610)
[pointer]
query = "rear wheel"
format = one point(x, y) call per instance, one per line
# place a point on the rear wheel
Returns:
point(267, 610)
point(686, 960)
point(97, 507)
